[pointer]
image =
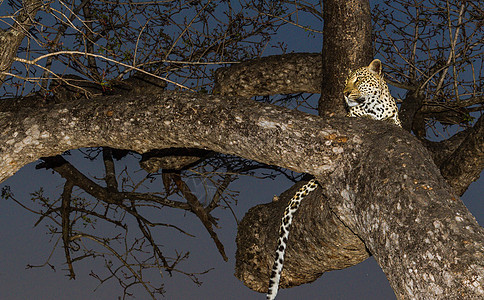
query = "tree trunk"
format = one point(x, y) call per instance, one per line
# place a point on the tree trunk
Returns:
point(11, 39)
point(347, 45)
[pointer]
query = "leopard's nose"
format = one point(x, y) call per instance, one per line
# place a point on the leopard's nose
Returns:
point(346, 93)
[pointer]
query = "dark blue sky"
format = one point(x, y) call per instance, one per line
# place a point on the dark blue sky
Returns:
point(23, 244)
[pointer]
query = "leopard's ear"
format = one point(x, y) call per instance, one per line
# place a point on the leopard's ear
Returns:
point(349, 73)
point(375, 66)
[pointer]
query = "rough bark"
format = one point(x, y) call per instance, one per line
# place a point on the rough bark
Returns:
point(415, 226)
point(302, 72)
point(278, 74)
point(347, 44)
point(403, 210)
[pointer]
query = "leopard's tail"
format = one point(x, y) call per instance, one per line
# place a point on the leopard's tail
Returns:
point(283, 236)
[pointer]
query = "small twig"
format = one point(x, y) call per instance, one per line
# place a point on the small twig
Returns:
point(292, 23)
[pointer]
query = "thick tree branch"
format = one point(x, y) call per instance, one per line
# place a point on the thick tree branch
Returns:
point(236, 80)
point(403, 210)
point(442, 150)
point(404, 201)
point(302, 72)
point(460, 158)
point(314, 247)
point(278, 74)
point(170, 119)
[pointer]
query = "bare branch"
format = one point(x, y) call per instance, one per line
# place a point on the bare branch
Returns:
point(66, 228)
point(204, 215)
point(119, 257)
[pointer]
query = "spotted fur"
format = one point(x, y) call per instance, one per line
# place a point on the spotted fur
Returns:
point(367, 95)
point(284, 234)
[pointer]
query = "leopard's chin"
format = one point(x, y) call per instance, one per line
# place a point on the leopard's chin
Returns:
point(352, 102)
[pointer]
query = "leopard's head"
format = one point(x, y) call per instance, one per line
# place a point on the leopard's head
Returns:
point(363, 83)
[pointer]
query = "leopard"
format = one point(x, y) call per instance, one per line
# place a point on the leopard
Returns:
point(366, 95)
